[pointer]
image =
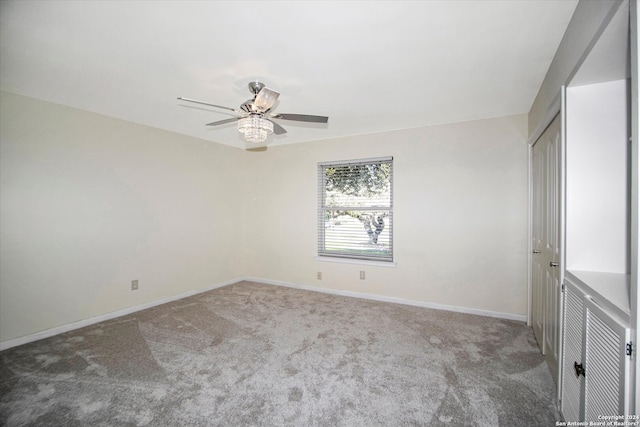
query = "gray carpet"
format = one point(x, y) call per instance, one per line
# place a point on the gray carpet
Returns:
point(251, 354)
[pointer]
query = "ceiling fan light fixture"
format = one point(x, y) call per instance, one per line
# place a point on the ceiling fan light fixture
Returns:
point(252, 122)
point(255, 128)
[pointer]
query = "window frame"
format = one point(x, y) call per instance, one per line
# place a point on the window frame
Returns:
point(349, 257)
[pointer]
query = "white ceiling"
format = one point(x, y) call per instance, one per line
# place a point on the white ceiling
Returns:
point(369, 66)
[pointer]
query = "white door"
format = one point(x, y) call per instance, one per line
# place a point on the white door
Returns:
point(537, 275)
point(606, 364)
point(545, 268)
point(596, 368)
point(573, 361)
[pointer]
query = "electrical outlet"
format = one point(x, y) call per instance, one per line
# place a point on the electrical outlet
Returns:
point(319, 275)
point(134, 285)
point(362, 275)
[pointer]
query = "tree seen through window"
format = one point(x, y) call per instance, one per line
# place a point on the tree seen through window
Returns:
point(356, 209)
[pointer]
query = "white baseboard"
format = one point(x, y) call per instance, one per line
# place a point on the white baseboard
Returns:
point(486, 313)
point(108, 316)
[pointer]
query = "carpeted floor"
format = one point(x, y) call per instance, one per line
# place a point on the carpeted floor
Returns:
point(251, 354)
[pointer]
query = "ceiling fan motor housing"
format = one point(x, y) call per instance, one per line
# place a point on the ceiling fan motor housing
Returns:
point(247, 106)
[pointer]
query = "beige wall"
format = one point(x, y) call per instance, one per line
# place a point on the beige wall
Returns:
point(89, 203)
point(460, 197)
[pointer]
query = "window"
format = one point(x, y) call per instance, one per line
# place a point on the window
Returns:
point(355, 209)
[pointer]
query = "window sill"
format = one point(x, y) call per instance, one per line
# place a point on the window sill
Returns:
point(356, 261)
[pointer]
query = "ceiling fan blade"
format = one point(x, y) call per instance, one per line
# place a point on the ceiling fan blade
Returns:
point(277, 129)
point(222, 122)
point(210, 105)
point(265, 99)
point(301, 117)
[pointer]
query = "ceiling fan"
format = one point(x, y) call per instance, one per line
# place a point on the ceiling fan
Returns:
point(255, 119)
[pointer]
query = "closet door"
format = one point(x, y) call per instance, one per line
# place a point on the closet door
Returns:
point(606, 364)
point(572, 363)
point(545, 268)
point(551, 252)
point(537, 274)
point(596, 366)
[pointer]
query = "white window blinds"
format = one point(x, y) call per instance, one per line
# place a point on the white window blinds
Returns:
point(355, 209)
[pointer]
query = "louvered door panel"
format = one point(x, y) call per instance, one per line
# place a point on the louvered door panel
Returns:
point(573, 344)
point(604, 364)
